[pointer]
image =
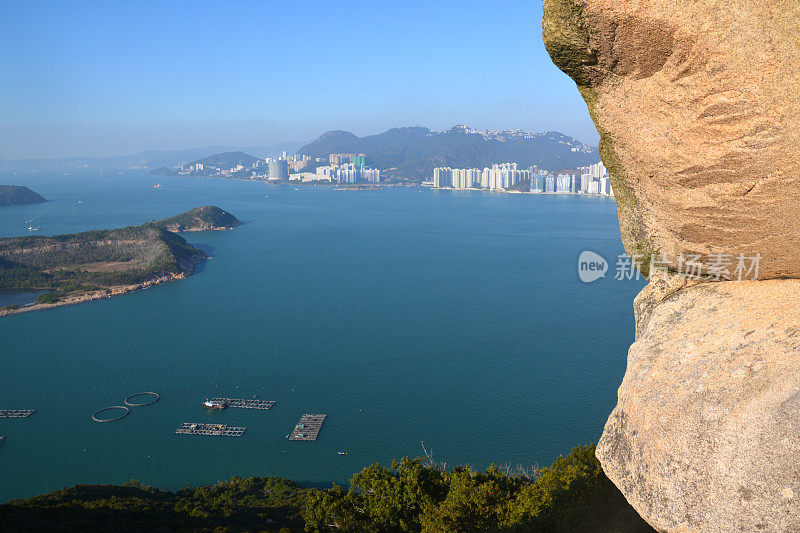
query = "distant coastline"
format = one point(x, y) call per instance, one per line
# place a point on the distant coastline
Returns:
point(98, 294)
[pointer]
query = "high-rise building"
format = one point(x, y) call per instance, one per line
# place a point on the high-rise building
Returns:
point(442, 177)
point(550, 183)
point(563, 182)
point(278, 169)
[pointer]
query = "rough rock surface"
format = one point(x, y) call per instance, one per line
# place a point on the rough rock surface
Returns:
point(706, 434)
point(698, 110)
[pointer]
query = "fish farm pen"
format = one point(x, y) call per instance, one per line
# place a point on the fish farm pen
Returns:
point(16, 413)
point(218, 430)
point(245, 404)
point(307, 428)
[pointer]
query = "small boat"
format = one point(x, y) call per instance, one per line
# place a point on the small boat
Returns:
point(342, 453)
point(215, 404)
point(157, 186)
point(31, 228)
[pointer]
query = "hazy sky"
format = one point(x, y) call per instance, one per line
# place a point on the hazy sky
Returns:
point(110, 78)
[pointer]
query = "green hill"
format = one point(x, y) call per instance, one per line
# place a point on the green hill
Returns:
point(413, 495)
point(18, 195)
point(414, 152)
point(81, 262)
point(207, 217)
point(227, 160)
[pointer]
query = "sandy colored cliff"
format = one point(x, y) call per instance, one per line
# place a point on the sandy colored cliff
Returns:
point(697, 107)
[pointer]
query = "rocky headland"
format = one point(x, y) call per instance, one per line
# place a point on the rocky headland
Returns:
point(87, 266)
point(18, 195)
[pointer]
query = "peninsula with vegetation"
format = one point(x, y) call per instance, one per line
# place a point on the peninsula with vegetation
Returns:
point(18, 195)
point(86, 266)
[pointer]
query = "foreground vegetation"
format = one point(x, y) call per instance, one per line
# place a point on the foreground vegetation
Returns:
point(413, 495)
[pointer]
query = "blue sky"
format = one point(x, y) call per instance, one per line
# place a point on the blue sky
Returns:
point(110, 78)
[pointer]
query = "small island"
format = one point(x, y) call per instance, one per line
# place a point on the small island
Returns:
point(98, 264)
point(203, 218)
point(18, 195)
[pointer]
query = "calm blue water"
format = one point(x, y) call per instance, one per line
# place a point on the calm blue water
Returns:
point(453, 318)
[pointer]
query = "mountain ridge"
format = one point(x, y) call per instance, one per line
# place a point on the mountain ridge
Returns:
point(413, 152)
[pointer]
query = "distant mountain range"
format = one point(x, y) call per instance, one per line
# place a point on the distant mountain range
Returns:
point(409, 153)
point(413, 152)
point(148, 159)
point(228, 160)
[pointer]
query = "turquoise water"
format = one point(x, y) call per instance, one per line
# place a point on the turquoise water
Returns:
point(450, 317)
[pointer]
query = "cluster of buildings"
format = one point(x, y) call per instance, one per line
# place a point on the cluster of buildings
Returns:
point(280, 168)
point(587, 180)
point(270, 168)
point(354, 172)
point(501, 176)
point(342, 168)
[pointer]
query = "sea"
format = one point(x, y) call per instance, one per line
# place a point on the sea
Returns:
point(448, 321)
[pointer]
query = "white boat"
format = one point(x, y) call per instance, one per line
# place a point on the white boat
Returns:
point(31, 228)
point(215, 404)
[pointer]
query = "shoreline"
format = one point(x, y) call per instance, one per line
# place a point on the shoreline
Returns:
point(338, 187)
point(107, 292)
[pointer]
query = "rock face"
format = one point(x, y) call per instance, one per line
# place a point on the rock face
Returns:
point(699, 120)
point(706, 434)
point(697, 107)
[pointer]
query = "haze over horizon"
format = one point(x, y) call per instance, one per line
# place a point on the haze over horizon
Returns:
point(82, 81)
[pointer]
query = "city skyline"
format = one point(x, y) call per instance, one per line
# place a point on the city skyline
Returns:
point(592, 179)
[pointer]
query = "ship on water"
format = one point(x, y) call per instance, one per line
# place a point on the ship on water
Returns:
point(215, 404)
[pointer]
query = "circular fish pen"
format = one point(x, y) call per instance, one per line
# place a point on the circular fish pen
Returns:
point(154, 397)
point(96, 416)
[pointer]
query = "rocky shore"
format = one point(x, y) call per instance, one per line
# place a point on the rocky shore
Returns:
point(89, 296)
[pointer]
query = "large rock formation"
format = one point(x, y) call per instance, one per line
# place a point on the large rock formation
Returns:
point(700, 127)
point(706, 434)
point(697, 106)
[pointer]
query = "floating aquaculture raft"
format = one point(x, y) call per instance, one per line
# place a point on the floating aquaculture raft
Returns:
point(16, 413)
point(308, 427)
point(245, 404)
point(190, 428)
